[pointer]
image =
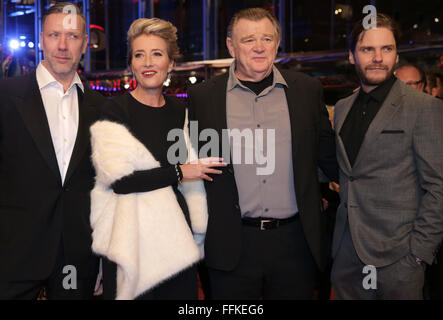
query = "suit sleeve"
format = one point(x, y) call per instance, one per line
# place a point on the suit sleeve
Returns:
point(428, 150)
point(327, 160)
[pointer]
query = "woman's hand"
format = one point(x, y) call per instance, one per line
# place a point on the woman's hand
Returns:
point(200, 168)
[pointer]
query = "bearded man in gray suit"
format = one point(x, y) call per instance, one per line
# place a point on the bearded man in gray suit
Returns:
point(390, 152)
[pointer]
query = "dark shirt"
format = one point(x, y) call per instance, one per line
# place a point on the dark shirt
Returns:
point(149, 125)
point(258, 87)
point(359, 118)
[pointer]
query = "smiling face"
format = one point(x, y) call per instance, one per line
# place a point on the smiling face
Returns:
point(254, 46)
point(63, 45)
point(150, 61)
point(374, 57)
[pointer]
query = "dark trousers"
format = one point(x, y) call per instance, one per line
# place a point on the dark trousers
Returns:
point(434, 278)
point(274, 264)
point(58, 286)
point(401, 280)
point(183, 286)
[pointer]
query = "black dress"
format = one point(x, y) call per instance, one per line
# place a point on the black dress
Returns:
point(150, 125)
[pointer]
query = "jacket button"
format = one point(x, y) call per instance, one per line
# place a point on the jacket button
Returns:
point(351, 178)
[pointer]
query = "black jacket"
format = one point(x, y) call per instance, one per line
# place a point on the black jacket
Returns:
point(37, 212)
point(312, 145)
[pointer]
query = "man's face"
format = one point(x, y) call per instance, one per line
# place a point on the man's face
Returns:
point(410, 76)
point(375, 56)
point(254, 46)
point(63, 43)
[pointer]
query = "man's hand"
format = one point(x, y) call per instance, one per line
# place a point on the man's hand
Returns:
point(334, 186)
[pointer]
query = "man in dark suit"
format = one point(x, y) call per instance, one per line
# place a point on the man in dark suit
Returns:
point(45, 170)
point(266, 232)
point(390, 152)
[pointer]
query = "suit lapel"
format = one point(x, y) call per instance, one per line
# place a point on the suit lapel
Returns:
point(219, 92)
point(383, 117)
point(85, 118)
point(293, 108)
point(341, 115)
point(34, 116)
point(218, 95)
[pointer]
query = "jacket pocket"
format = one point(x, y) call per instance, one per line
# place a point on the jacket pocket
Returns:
point(392, 132)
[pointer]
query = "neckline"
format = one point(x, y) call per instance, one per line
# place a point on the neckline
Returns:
point(146, 105)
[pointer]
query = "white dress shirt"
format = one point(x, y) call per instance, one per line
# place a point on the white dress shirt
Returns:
point(62, 114)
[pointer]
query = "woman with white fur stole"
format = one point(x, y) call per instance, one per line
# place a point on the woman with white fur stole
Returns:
point(148, 215)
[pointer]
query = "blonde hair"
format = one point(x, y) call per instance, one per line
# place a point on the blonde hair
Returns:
point(254, 14)
point(157, 27)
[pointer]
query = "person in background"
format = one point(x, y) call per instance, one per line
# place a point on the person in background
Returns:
point(412, 75)
point(431, 84)
point(439, 84)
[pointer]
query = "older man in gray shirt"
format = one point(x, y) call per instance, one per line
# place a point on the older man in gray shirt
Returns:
point(264, 110)
point(266, 233)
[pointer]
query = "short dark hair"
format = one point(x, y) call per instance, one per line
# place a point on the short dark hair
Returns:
point(431, 79)
point(58, 7)
point(383, 21)
point(254, 14)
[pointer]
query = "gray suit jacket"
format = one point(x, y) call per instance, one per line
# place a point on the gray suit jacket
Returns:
point(393, 196)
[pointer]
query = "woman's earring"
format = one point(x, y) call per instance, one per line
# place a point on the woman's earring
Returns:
point(167, 82)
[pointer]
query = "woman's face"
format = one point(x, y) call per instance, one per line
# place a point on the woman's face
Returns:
point(150, 61)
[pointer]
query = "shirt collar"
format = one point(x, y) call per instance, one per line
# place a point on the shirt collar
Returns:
point(45, 78)
point(380, 93)
point(233, 80)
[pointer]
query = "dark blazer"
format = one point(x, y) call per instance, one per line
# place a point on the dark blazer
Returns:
point(392, 197)
point(36, 210)
point(312, 145)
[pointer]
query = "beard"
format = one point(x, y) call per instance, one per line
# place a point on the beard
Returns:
point(373, 81)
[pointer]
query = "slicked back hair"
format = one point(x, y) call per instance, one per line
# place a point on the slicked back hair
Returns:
point(383, 21)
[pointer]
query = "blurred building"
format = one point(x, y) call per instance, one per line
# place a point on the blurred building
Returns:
point(314, 37)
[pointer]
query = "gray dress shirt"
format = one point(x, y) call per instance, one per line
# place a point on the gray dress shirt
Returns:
point(271, 194)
